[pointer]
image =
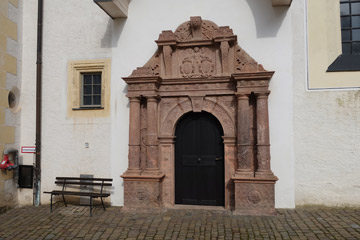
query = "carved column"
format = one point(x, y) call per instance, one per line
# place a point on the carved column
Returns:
point(134, 136)
point(244, 147)
point(263, 139)
point(152, 135)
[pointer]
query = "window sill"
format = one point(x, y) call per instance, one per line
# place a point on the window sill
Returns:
point(88, 108)
point(345, 63)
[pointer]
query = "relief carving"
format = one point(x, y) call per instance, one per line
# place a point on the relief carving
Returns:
point(197, 63)
point(183, 33)
point(244, 63)
point(254, 197)
point(197, 102)
point(191, 30)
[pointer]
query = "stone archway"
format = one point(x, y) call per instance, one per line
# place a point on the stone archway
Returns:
point(198, 68)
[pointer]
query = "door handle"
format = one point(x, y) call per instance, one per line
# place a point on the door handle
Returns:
point(218, 159)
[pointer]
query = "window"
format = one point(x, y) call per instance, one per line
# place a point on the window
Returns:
point(350, 27)
point(350, 37)
point(91, 90)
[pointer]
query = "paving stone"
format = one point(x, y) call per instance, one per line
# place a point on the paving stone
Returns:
point(74, 222)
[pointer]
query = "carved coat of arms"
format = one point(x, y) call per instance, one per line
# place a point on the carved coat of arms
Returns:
point(197, 63)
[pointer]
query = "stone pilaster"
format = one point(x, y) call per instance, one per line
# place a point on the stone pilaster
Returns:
point(263, 139)
point(244, 146)
point(152, 164)
point(134, 136)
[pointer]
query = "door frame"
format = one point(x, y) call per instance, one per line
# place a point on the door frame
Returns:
point(167, 137)
point(220, 198)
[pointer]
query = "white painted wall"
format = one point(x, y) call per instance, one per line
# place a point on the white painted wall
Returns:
point(75, 30)
point(326, 134)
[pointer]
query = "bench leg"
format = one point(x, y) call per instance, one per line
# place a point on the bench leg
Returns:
point(64, 200)
point(102, 203)
point(91, 206)
point(51, 203)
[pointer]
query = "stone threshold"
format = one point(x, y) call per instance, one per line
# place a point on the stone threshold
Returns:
point(197, 207)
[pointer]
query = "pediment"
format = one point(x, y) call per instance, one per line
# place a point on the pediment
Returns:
point(198, 49)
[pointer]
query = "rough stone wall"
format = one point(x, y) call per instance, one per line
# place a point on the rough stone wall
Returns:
point(10, 38)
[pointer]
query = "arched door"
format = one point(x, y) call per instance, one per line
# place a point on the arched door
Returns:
point(199, 160)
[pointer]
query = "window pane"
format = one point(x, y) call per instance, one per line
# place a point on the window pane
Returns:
point(87, 100)
point(345, 22)
point(87, 89)
point(346, 48)
point(344, 9)
point(97, 89)
point(97, 100)
point(345, 35)
point(87, 79)
point(97, 78)
point(356, 48)
point(356, 35)
point(355, 21)
point(344, 0)
point(355, 8)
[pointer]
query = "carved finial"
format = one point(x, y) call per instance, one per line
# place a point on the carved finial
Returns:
point(167, 35)
point(223, 32)
point(195, 23)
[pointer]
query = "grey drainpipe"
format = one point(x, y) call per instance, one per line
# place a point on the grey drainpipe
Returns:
point(36, 200)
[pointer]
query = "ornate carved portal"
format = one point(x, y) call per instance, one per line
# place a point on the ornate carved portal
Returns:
point(200, 67)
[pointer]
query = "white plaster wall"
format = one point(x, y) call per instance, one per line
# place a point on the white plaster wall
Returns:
point(327, 136)
point(76, 30)
point(327, 148)
point(73, 30)
point(28, 83)
point(263, 31)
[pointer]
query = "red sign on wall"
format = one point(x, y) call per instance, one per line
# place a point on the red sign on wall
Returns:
point(28, 149)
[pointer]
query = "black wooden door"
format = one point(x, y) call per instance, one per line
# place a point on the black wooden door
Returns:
point(199, 160)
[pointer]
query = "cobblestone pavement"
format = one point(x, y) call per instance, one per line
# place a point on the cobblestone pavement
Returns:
point(74, 222)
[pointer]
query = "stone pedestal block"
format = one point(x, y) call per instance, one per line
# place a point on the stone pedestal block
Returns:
point(254, 197)
point(142, 192)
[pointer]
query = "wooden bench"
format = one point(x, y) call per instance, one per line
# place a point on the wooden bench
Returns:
point(77, 181)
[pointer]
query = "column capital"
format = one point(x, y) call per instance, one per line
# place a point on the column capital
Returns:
point(243, 96)
point(152, 98)
point(262, 94)
point(134, 99)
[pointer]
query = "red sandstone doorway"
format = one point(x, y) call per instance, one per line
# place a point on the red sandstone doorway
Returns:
point(200, 67)
point(199, 160)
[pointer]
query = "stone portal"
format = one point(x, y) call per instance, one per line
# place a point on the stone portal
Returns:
point(200, 68)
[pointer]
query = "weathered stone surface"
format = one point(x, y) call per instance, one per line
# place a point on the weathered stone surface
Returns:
point(200, 67)
point(142, 193)
point(254, 197)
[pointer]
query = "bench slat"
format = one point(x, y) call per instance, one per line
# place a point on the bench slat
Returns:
point(85, 179)
point(82, 183)
point(88, 194)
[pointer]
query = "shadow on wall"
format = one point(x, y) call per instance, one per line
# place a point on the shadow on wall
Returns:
point(268, 19)
point(113, 31)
